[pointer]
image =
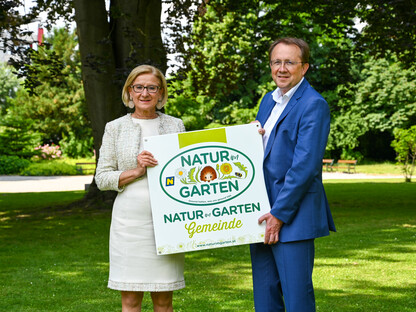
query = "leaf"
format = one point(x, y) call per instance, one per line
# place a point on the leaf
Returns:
point(184, 181)
point(191, 175)
point(241, 167)
point(197, 174)
point(218, 170)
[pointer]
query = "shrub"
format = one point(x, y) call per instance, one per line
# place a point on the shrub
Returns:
point(405, 146)
point(12, 164)
point(49, 168)
point(74, 147)
point(351, 154)
point(17, 137)
point(49, 151)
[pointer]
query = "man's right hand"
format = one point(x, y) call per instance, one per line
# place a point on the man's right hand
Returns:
point(261, 130)
point(273, 226)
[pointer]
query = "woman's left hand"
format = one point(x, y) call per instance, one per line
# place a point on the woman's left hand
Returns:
point(146, 159)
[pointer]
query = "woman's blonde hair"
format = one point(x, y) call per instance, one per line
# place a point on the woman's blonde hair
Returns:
point(140, 70)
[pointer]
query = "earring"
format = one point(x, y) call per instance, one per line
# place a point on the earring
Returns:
point(131, 103)
point(159, 104)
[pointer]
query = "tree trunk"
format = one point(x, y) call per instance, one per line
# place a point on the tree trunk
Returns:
point(109, 50)
point(136, 34)
point(98, 66)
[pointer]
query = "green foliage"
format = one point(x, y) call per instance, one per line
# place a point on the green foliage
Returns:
point(331, 40)
point(384, 99)
point(351, 155)
point(226, 70)
point(74, 147)
point(328, 26)
point(9, 84)
point(390, 26)
point(222, 81)
point(405, 146)
point(17, 137)
point(57, 105)
point(51, 168)
point(12, 164)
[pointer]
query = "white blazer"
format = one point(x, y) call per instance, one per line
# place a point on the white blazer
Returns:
point(120, 147)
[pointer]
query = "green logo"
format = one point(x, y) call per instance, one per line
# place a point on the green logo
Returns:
point(207, 175)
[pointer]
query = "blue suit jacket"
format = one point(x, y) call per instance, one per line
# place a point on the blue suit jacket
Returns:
point(293, 164)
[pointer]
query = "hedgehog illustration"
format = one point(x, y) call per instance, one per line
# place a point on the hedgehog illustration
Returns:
point(208, 174)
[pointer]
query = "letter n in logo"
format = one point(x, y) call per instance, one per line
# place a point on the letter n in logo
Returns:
point(170, 181)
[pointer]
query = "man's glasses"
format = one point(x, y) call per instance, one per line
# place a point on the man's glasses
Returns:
point(139, 88)
point(288, 64)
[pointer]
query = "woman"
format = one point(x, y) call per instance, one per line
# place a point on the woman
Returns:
point(134, 265)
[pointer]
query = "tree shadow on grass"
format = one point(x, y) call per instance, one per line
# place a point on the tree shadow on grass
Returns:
point(363, 295)
point(64, 253)
point(218, 280)
point(56, 259)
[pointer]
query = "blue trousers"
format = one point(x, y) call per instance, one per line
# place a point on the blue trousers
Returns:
point(282, 276)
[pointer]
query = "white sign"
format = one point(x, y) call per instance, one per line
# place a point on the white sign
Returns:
point(208, 189)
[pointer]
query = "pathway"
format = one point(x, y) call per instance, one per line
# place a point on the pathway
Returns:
point(23, 184)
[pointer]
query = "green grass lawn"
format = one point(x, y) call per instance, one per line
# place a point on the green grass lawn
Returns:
point(380, 168)
point(56, 259)
point(373, 168)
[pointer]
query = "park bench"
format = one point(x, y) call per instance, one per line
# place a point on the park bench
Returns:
point(346, 164)
point(85, 167)
point(328, 163)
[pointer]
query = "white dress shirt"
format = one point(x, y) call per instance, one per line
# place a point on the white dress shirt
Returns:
point(281, 102)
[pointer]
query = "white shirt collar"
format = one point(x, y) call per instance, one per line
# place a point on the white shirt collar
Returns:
point(277, 94)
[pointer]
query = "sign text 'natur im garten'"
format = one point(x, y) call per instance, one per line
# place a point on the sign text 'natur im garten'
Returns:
point(208, 189)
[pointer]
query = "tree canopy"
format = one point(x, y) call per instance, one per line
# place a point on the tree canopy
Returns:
point(112, 40)
point(56, 102)
point(226, 70)
point(390, 26)
point(9, 84)
point(384, 99)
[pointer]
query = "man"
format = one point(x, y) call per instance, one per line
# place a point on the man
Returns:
point(295, 119)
